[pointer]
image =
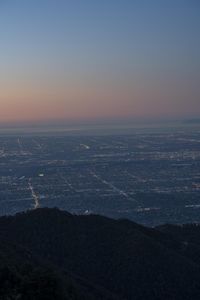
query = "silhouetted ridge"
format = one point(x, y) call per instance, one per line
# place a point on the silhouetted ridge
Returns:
point(101, 258)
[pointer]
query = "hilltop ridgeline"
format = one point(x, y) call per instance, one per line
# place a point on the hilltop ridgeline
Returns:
point(51, 254)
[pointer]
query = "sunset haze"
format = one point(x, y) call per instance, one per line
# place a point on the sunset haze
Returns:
point(98, 60)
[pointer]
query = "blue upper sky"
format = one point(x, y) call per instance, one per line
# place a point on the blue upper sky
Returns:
point(85, 43)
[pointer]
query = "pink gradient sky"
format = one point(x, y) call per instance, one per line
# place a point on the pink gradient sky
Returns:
point(108, 60)
point(142, 98)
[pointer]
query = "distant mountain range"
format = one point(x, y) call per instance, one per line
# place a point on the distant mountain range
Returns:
point(51, 254)
point(192, 121)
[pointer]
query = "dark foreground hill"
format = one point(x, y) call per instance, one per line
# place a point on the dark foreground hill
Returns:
point(51, 254)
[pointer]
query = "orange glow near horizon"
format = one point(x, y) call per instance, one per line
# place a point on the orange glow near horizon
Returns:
point(75, 101)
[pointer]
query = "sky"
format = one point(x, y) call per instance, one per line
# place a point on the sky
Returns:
point(78, 60)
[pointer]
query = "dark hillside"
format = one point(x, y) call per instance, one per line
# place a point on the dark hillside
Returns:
point(105, 257)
